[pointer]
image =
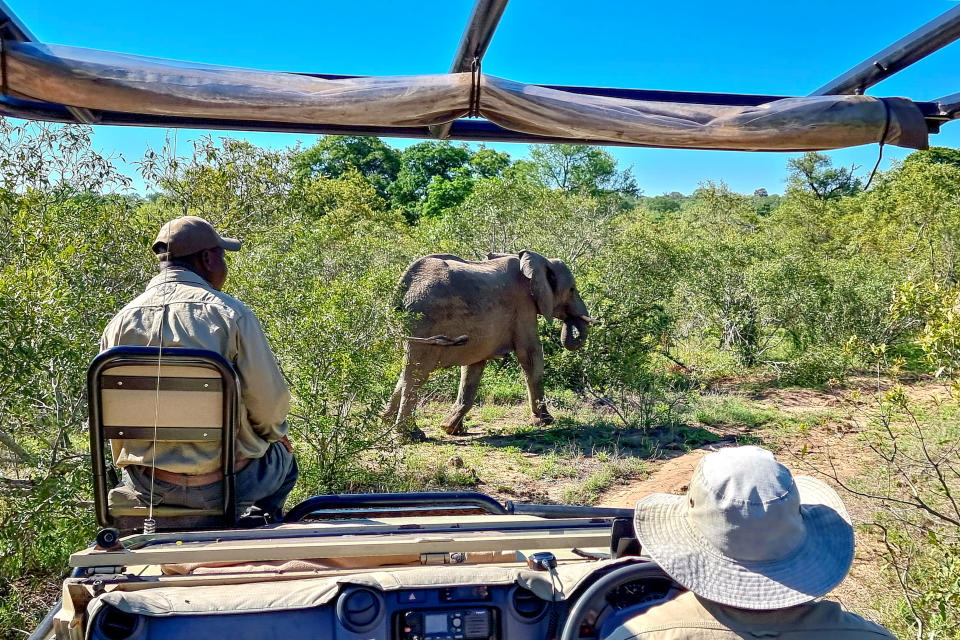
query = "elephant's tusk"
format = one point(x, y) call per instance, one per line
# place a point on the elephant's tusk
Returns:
point(588, 319)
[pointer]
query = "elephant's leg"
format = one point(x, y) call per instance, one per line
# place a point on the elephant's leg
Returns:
point(469, 383)
point(390, 412)
point(415, 373)
point(531, 361)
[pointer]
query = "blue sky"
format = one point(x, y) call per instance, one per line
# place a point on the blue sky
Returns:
point(786, 48)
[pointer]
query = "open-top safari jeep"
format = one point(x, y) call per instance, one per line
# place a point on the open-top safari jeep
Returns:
point(418, 566)
point(412, 567)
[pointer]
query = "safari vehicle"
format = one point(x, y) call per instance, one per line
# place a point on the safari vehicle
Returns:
point(428, 566)
point(414, 566)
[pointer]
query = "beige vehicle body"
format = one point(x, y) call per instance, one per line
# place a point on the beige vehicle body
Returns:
point(469, 575)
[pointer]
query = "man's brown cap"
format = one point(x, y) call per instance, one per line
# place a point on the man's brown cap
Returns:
point(187, 235)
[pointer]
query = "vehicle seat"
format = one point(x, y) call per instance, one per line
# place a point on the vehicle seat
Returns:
point(196, 403)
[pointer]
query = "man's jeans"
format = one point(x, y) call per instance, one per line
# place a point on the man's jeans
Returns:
point(263, 483)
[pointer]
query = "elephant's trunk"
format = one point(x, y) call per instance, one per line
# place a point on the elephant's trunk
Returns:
point(574, 332)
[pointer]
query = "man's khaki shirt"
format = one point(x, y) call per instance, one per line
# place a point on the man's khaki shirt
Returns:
point(687, 617)
point(195, 315)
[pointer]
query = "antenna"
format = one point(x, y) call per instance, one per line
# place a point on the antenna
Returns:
point(149, 523)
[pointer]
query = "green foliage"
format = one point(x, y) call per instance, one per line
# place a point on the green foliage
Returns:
point(937, 312)
point(331, 330)
point(336, 156)
point(420, 165)
point(580, 168)
point(232, 183)
point(817, 367)
point(913, 471)
point(724, 256)
point(813, 173)
point(616, 471)
point(733, 412)
point(913, 483)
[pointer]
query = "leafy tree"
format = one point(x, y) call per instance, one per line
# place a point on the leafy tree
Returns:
point(444, 195)
point(437, 176)
point(421, 164)
point(318, 286)
point(233, 184)
point(814, 173)
point(764, 203)
point(722, 253)
point(488, 163)
point(935, 155)
point(663, 205)
point(335, 156)
point(72, 251)
point(580, 168)
point(911, 219)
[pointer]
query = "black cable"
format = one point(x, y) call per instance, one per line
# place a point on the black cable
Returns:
point(883, 140)
point(554, 613)
point(475, 88)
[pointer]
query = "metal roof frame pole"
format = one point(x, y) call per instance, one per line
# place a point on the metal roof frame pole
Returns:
point(12, 28)
point(473, 44)
point(932, 36)
point(949, 105)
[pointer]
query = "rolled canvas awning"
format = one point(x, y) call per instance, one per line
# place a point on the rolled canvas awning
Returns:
point(99, 80)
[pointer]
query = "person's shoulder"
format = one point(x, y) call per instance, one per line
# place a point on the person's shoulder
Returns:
point(832, 613)
point(140, 301)
point(684, 609)
point(236, 305)
point(815, 619)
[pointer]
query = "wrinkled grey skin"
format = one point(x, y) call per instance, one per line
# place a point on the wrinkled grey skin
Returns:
point(461, 312)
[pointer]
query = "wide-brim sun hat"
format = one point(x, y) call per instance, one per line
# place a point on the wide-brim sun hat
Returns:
point(748, 534)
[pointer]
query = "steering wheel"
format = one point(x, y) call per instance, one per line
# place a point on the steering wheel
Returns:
point(595, 599)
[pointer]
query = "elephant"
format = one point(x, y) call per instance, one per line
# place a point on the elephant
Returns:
point(463, 312)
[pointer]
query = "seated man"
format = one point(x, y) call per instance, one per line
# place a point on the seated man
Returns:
point(755, 547)
point(183, 307)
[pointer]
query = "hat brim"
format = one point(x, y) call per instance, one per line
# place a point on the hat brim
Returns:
point(814, 569)
point(230, 244)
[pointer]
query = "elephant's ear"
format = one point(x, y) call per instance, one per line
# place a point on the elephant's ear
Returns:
point(534, 266)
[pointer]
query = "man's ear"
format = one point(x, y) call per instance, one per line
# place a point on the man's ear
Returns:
point(208, 259)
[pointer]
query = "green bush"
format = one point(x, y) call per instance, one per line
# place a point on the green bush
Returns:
point(816, 367)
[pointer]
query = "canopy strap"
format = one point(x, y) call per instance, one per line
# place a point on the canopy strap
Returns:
point(883, 141)
point(475, 76)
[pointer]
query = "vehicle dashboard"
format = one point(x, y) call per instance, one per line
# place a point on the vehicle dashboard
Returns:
point(369, 612)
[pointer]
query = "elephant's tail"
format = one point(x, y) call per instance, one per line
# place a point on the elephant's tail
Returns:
point(440, 341)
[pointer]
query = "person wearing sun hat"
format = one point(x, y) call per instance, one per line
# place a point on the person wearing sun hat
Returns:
point(184, 306)
point(755, 547)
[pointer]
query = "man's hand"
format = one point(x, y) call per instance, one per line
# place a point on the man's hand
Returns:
point(286, 444)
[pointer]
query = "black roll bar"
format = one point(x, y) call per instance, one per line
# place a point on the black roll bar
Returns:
point(359, 501)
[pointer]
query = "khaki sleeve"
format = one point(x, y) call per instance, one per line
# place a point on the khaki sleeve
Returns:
point(108, 337)
point(262, 387)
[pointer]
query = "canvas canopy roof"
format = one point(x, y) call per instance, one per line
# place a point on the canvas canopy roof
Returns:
point(70, 84)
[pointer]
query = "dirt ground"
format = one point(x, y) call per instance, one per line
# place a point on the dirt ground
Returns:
point(829, 448)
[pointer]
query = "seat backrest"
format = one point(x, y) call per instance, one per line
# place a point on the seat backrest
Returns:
point(161, 400)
